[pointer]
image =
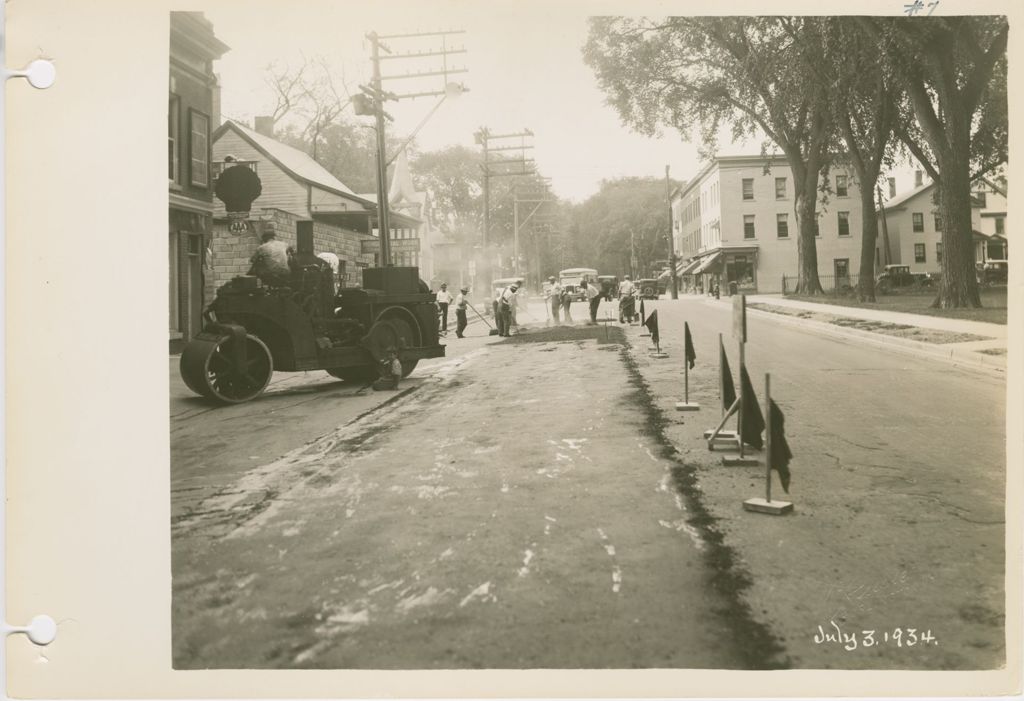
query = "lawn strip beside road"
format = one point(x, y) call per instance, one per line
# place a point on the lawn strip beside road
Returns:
point(898, 484)
point(993, 301)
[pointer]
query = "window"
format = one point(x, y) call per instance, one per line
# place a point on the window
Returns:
point(978, 199)
point(842, 269)
point(199, 150)
point(841, 190)
point(919, 253)
point(844, 223)
point(892, 187)
point(938, 252)
point(938, 222)
point(780, 188)
point(748, 188)
point(782, 225)
point(1000, 225)
point(918, 221)
point(173, 109)
point(748, 226)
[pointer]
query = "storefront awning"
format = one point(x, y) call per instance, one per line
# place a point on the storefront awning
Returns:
point(708, 263)
point(690, 267)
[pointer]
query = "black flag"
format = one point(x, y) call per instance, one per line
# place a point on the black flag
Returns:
point(643, 316)
point(728, 388)
point(780, 454)
point(691, 355)
point(652, 325)
point(753, 420)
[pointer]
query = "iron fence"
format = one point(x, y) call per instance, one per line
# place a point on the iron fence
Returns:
point(841, 286)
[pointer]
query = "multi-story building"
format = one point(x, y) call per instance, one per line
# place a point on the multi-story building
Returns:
point(914, 227)
point(735, 222)
point(192, 111)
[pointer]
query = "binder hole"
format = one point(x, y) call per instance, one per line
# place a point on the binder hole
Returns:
point(42, 630)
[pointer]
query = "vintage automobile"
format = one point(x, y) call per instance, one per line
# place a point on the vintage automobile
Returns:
point(895, 277)
point(253, 328)
point(648, 288)
point(609, 286)
point(993, 272)
point(572, 279)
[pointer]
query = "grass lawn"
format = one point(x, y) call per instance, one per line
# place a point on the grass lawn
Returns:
point(993, 300)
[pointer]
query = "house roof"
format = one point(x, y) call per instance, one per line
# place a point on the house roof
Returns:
point(292, 160)
point(900, 200)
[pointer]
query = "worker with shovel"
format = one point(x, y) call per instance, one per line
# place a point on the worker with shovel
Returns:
point(461, 303)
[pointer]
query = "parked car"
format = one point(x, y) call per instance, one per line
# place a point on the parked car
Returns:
point(648, 288)
point(993, 272)
point(895, 277)
point(609, 286)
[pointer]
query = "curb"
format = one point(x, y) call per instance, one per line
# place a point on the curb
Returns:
point(968, 360)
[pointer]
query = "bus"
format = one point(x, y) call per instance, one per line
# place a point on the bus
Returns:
point(571, 280)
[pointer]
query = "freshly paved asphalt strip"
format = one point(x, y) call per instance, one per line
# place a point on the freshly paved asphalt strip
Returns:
point(510, 511)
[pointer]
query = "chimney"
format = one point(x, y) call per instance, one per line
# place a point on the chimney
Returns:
point(265, 126)
point(918, 178)
point(304, 237)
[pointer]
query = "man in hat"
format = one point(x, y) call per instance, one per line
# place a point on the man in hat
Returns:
point(271, 261)
point(594, 297)
point(444, 298)
point(461, 303)
point(505, 302)
point(554, 297)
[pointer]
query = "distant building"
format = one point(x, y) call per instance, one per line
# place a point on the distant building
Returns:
point(192, 111)
point(915, 227)
point(735, 222)
point(295, 188)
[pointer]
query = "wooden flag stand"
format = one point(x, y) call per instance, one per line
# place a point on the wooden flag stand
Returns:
point(658, 352)
point(685, 405)
point(739, 332)
point(719, 435)
point(766, 505)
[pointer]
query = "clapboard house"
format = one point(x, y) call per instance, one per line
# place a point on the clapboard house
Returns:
point(294, 188)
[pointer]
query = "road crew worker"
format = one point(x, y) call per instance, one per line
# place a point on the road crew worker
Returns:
point(461, 302)
point(553, 295)
point(627, 307)
point(505, 301)
point(271, 261)
point(594, 296)
point(444, 298)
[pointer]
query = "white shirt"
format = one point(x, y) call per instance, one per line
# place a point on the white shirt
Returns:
point(626, 287)
point(460, 301)
point(444, 297)
point(508, 296)
point(592, 291)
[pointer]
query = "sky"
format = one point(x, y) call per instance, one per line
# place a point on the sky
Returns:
point(526, 71)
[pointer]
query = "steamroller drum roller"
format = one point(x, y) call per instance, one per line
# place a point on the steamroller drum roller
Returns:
point(210, 368)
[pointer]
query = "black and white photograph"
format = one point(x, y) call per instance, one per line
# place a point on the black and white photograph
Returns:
point(660, 342)
point(571, 342)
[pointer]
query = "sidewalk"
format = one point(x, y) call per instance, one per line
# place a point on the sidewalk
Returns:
point(987, 354)
point(979, 328)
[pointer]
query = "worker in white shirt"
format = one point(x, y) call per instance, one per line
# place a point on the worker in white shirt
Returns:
point(594, 297)
point(515, 303)
point(444, 298)
point(627, 303)
point(553, 294)
point(461, 302)
point(505, 301)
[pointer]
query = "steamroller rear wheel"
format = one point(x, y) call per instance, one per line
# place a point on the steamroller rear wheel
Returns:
point(211, 369)
point(406, 339)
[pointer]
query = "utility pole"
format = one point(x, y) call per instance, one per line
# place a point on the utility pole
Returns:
point(671, 241)
point(372, 102)
point(517, 225)
point(495, 167)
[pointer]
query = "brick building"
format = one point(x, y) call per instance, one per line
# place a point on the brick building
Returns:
point(735, 222)
point(295, 187)
point(192, 109)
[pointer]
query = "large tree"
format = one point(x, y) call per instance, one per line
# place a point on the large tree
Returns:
point(953, 70)
point(745, 72)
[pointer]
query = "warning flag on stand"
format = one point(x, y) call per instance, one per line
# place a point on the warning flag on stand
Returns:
point(753, 420)
point(728, 388)
point(652, 326)
point(691, 355)
point(643, 316)
point(781, 454)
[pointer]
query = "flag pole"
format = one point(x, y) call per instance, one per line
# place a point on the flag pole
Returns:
point(721, 380)
point(768, 439)
point(686, 380)
point(743, 399)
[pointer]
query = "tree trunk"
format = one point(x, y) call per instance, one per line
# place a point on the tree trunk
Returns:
point(869, 236)
point(806, 191)
point(958, 284)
